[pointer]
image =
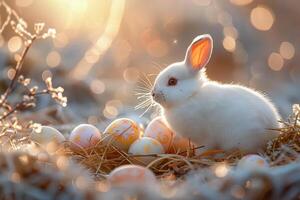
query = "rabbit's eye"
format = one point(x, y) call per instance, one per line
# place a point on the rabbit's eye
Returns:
point(172, 81)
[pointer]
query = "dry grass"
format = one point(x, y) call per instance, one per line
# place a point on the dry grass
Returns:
point(105, 156)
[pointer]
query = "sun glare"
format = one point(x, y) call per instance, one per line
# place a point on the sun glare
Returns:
point(78, 5)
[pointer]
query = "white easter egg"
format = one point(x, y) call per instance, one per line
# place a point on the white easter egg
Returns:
point(252, 161)
point(158, 129)
point(131, 174)
point(122, 133)
point(146, 146)
point(84, 136)
point(47, 135)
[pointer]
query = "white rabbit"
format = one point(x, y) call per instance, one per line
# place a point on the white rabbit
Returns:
point(219, 116)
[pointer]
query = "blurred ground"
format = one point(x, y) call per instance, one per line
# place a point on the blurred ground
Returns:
point(103, 46)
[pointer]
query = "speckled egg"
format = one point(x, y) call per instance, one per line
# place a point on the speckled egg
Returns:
point(146, 146)
point(131, 174)
point(252, 161)
point(84, 136)
point(122, 133)
point(158, 129)
point(46, 135)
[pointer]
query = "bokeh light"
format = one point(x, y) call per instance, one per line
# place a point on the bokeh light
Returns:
point(221, 170)
point(46, 74)
point(11, 73)
point(115, 103)
point(62, 162)
point(93, 120)
point(131, 75)
point(97, 86)
point(275, 61)
point(14, 44)
point(102, 186)
point(262, 18)
point(110, 112)
point(17, 57)
point(287, 50)
point(230, 31)
point(229, 43)
point(53, 59)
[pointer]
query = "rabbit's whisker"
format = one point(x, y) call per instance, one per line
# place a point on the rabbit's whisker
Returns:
point(145, 81)
point(143, 104)
point(142, 89)
point(142, 93)
point(149, 107)
point(144, 97)
point(149, 81)
point(158, 66)
point(151, 75)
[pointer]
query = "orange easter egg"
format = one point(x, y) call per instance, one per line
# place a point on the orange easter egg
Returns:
point(158, 129)
point(131, 174)
point(122, 133)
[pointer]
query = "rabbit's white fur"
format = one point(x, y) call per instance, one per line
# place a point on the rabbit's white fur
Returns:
point(223, 116)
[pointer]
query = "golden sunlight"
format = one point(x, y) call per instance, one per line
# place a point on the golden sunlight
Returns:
point(103, 42)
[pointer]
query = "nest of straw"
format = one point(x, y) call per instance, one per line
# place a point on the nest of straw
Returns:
point(104, 157)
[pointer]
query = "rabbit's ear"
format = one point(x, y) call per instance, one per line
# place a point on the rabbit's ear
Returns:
point(199, 52)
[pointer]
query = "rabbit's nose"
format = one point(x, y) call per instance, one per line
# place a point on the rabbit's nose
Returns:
point(153, 94)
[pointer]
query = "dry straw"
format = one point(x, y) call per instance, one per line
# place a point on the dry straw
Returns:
point(104, 157)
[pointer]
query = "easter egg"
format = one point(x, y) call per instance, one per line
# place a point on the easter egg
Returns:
point(122, 133)
point(84, 136)
point(46, 135)
point(140, 120)
point(252, 161)
point(131, 174)
point(157, 129)
point(146, 146)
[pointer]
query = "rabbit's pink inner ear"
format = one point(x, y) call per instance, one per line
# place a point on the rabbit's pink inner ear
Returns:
point(200, 53)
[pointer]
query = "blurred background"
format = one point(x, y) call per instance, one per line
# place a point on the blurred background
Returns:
point(102, 48)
